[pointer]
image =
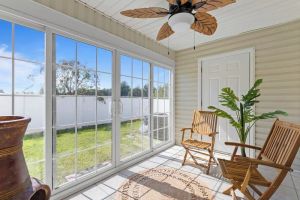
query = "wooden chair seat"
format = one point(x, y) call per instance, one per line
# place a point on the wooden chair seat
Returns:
point(196, 143)
point(237, 171)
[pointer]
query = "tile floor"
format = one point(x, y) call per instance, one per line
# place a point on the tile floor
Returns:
point(172, 157)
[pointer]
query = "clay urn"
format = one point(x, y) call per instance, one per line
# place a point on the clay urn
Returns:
point(15, 182)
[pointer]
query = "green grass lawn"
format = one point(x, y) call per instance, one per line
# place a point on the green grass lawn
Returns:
point(93, 149)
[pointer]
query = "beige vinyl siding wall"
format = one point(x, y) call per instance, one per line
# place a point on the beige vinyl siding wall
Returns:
point(277, 63)
point(81, 12)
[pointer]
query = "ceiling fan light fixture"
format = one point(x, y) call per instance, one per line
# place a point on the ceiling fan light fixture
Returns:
point(181, 22)
point(184, 15)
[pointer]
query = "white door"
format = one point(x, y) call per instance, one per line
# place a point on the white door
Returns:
point(230, 70)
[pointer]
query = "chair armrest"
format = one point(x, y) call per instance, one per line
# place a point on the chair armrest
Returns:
point(213, 134)
point(268, 163)
point(184, 129)
point(242, 145)
point(183, 132)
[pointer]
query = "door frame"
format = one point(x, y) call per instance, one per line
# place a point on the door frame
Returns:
point(251, 52)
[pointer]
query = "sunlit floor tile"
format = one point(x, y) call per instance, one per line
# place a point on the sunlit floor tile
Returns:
point(115, 181)
point(148, 164)
point(98, 192)
point(158, 159)
point(79, 197)
point(115, 195)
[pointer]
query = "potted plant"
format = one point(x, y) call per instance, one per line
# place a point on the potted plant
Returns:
point(244, 111)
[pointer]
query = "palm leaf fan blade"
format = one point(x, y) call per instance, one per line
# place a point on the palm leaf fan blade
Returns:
point(153, 12)
point(205, 23)
point(173, 2)
point(164, 32)
point(208, 5)
point(184, 1)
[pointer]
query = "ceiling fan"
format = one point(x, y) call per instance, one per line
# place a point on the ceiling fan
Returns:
point(183, 14)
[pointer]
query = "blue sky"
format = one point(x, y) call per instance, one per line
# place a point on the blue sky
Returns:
point(30, 46)
point(86, 54)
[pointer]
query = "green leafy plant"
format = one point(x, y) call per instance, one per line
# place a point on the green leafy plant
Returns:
point(244, 110)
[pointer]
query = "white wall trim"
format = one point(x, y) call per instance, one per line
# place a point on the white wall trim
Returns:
point(251, 52)
point(34, 13)
point(226, 54)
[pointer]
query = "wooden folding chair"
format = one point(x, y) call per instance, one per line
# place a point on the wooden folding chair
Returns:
point(278, 152)
point(204, 124)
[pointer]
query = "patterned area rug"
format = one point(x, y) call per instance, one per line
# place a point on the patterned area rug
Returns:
point(163, 183)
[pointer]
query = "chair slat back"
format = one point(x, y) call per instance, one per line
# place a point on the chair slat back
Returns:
point(204, 122)
point(282, 143)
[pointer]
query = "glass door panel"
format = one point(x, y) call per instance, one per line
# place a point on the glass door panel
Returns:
point(83, 119)
point(104, 108)
point(161, 106)
point(22, 86)
point(135, 108)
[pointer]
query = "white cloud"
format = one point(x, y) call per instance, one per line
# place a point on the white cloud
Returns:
point(28, 76)
point(4, 51)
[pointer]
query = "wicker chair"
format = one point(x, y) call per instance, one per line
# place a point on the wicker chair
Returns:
point(278, 152)
point(204, 124)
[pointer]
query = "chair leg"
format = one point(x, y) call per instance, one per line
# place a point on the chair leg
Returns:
point(211, 153)
point(255, 189)
point(229, 190)
point(185, 155)
point(234, 197)
point(248, 194)
point(213, 156)
point(209, 163)
point(236, 185)
point(194, 159)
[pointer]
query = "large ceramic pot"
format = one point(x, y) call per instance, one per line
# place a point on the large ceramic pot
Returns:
point(15, 182)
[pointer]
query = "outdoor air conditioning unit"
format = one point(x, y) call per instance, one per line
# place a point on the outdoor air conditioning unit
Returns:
point(160, 132)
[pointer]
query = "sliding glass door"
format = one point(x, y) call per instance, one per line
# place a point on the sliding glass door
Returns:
point(87, 110)
point(106, 108)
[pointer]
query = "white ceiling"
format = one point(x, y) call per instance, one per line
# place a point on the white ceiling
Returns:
point(242, 16)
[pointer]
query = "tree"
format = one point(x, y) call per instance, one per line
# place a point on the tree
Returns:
point(137, 92)
point(145, 90)
point(125, 89)
point(161, 91)
point(244, 110)
point(32, 81)
point(68, 79)
point(104, 92)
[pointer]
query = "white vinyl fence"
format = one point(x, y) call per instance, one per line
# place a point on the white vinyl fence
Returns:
point(34, 107)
